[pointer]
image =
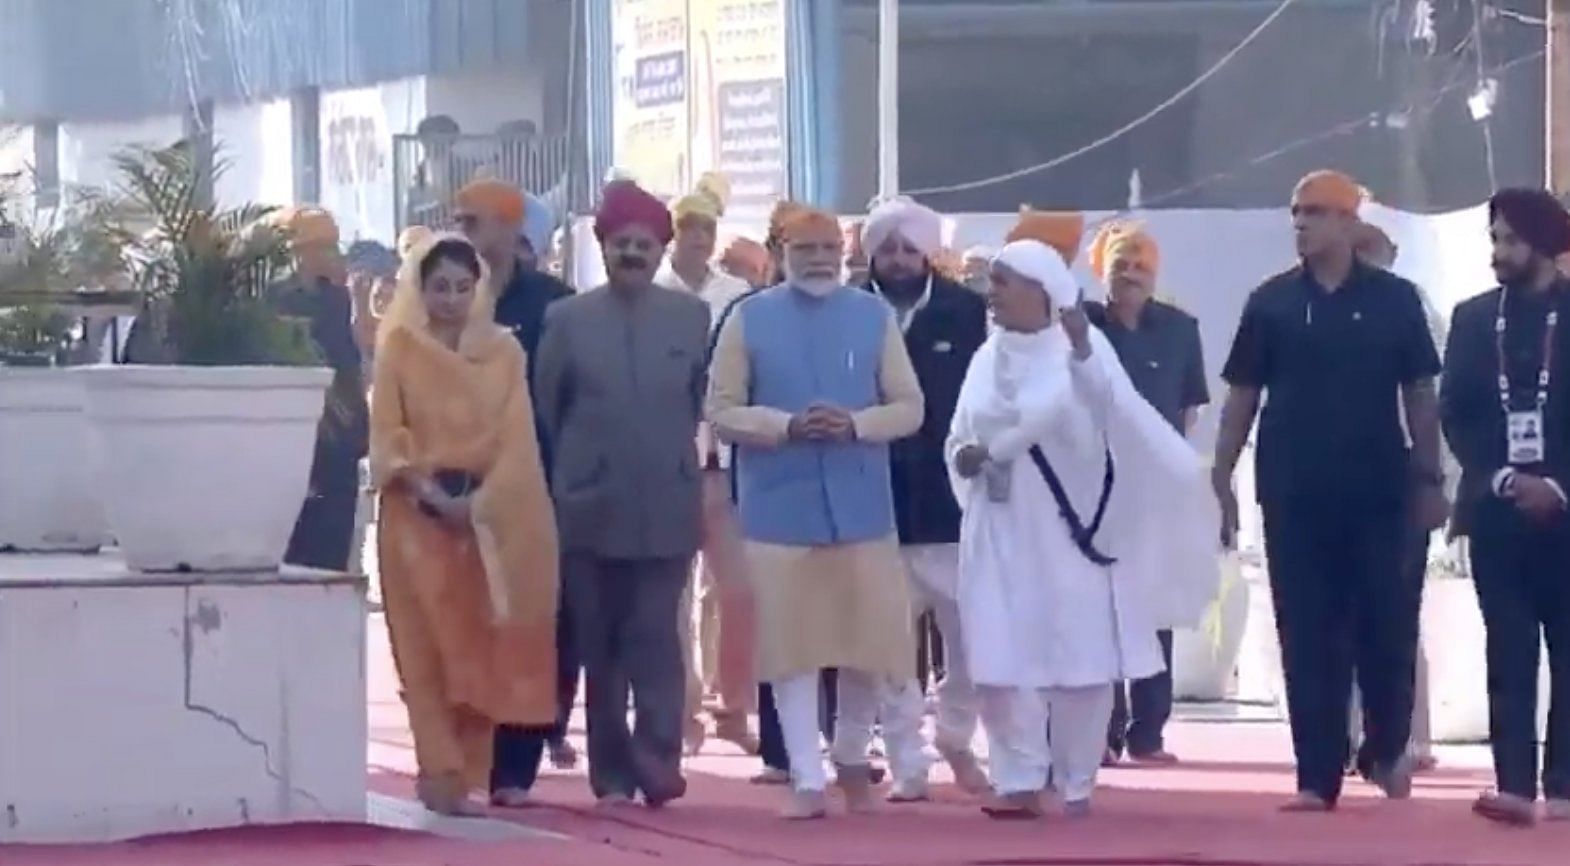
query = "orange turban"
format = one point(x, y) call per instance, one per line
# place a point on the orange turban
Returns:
point(1331, 190)
point(1060, 230)
point(308, 226)
point(493, 198)
point(781, 214)
point(809, 222)
point(1123, 240)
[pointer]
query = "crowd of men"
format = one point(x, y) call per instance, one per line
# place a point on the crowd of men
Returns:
point(851, 439)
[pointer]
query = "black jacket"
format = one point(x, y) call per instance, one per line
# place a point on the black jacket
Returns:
point(1474, 422)
point(941, 339)
point(520, 308)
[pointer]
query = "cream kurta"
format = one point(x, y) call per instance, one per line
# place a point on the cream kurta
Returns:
point(1036, 612)
point(844, 605)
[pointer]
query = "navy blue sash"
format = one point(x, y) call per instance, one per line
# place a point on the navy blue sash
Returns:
point(1084, 536)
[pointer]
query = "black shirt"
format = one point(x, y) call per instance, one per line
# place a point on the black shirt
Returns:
point(1162, 355)
point(520, 308)
point(1331, 366)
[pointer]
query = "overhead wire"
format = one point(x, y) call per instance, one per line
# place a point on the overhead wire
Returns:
point(1346, 127)
point(1125, 129)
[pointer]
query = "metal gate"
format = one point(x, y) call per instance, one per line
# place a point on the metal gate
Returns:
point(428, 170)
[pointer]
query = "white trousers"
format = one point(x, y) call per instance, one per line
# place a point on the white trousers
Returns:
point(933, 572)
point(796, 702)
point(1019, 724)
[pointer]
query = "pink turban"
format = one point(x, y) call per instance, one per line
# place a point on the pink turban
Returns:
point(624, 204)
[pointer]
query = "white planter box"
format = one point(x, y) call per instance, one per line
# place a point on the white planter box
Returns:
point(204, 468)
point(47, 500)
point(1456, 644)
point(133, 704)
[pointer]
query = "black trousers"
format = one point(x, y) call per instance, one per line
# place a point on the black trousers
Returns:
point(1341, 598)
point(1414, 564)
point(1522, 575)
point(771, 740)
point(518, 749)
point(624, 619)
point(323, 534)
point(1140, 709)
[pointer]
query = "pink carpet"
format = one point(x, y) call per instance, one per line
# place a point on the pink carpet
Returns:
point(1218, 809)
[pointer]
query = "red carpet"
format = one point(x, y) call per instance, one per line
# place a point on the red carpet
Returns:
point(1218, 809)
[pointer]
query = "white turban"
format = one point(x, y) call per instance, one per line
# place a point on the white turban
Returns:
point(914, 222)
point(1036, 261)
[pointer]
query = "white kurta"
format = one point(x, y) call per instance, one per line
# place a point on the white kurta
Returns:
point(1035, 611)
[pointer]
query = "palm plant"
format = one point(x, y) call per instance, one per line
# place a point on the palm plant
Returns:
point(203, 271)
point(68, 250)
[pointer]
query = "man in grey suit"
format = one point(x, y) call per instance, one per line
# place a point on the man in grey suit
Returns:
point(620, 378)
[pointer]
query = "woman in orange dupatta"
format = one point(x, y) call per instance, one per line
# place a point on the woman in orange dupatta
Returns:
point(466, 534)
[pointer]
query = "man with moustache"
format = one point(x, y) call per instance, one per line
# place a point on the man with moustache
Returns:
point(619, 382)
point(1159, 347)
point(503, 224)
point(1341, 349)
point(943, 324)
point(1506, 410)
point(811, 381)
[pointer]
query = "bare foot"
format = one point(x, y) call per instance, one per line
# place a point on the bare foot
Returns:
point(1557, 810)
point(510, 798)
point(563, 755)
point(855, 783)
point(967, 770)
point(1506, 809)
point(694, 736)
point(1158, 758)
point(733, 728)
point(805, 806)
point(1019, 806)
point(1396, 779)
point(1076, 809)
point(615, 801)
point(913, 790)
point(1307, 801)
point(771, 776)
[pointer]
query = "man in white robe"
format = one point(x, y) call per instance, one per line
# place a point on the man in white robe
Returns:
point(1087, 527)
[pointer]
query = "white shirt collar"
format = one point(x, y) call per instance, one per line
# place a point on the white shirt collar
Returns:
point(905, 317)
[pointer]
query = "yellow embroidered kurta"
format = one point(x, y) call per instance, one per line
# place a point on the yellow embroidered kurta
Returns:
point(471, 611)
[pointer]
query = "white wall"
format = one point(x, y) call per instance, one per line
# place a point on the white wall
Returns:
point(357, 129)
point(87, 149)
point(482, 101)
point(254, 140)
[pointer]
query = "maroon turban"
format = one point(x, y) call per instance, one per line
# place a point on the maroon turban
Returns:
point(623, 204)
point(1536, 216)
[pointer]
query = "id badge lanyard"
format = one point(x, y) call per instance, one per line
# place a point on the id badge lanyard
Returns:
point(1524, 429)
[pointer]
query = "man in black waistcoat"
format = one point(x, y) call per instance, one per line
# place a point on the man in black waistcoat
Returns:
point(944, 323)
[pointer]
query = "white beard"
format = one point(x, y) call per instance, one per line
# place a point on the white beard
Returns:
point(820, 287)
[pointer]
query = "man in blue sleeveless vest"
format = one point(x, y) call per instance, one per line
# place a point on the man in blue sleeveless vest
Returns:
point(811, 381)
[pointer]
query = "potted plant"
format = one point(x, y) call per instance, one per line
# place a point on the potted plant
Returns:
point(206, 440)
point(47, 500)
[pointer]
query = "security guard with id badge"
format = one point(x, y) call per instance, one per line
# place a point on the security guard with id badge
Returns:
point(1505, 406)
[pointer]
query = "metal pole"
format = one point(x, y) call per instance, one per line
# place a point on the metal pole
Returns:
point(1557, 116)
point(888, 98)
